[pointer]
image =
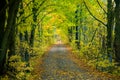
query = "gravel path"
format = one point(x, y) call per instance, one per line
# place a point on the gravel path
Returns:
point(58, 66)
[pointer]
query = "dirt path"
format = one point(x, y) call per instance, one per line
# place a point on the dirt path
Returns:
point(58, 66)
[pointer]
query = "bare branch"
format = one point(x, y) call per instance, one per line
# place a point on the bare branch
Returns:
point(44, 8)
point(47, 14)
point(94, 34)
point(101, 7)
point(24, 18)
point(42, 3)
point(93, 15)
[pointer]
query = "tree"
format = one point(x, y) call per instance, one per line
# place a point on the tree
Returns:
point(77, 30)
point(117, 30)
point(12, 13)
point(2, 18)
point(110, 24)
point(35, 10)
point(2, 27)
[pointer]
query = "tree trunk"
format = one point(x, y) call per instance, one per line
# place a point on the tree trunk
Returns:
point(2, 19)
point(32, 36)
point(117, 31)
point(13, 5)
point(110, 23)
point(2, 26)
point(70, 34)
point(26, 36)
point(12, 37)
point(77, 31)
point(77, 37)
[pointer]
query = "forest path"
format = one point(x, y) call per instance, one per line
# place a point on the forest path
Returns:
point(57, 65)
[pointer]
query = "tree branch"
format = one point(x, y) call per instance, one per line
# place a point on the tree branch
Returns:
point(46, 15)
point(7, 5)
point(42, 3)
point(44, 8)
point(101, 7)
point(94, 34)
point(24, 18)
point(93, 15)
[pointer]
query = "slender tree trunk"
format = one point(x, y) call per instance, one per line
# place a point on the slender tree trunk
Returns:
point(77, 33)
point(35, 14)
point(24, 38)
point(110, 23)
point(32, 36)
point(70, 34)
point(117, 31)
point(27, 55)
point(77, 37)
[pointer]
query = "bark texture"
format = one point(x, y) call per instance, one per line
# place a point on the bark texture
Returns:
point(117, 30)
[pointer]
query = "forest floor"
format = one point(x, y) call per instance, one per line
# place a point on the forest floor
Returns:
point(59, 63)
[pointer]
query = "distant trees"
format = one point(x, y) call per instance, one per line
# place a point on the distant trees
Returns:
point(77, 27)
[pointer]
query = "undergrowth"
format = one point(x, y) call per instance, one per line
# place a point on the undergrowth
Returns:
point(94, 56)
point(21, 66)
